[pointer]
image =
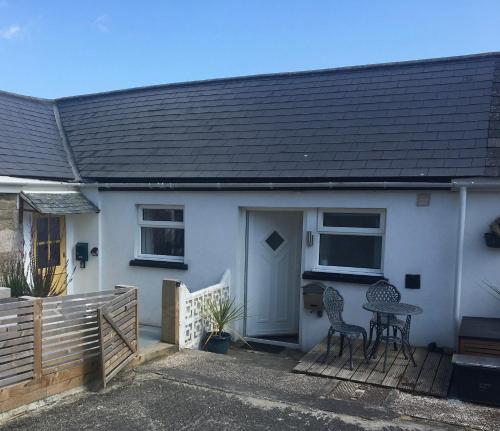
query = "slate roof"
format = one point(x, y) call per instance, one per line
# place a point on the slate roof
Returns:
point(59, 203)
point(30, 144)
point(426, 119)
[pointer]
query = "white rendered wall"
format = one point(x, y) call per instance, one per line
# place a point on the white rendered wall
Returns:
point(481, 264)
point(419, 240)
point(83, 228)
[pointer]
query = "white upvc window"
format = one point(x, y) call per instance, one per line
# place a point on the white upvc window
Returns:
point(351, 240)
point(161, 233)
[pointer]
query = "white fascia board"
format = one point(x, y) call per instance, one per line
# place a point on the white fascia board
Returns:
point(17, 185)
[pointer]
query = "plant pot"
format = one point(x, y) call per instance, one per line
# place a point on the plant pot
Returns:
point(492, 240)
point(218, 343)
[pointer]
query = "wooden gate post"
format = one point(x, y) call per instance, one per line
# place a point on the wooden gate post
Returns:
point(101, 346)
point(170, 312)
point(37, 339)
point(136, 320)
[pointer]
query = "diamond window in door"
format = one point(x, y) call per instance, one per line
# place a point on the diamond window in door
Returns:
point(275, 240)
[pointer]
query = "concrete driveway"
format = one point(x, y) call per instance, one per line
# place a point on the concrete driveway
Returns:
point(245, 391)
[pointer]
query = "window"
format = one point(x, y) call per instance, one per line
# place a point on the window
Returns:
point(48, 240)
point(351, 241)
point(161, 233)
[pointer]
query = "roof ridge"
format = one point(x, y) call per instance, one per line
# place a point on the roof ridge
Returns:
point(31, 98)
point(256, 76)
point(67, 147)
point(285, 74)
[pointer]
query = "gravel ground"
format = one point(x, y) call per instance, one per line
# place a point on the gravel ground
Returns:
point(244, 391)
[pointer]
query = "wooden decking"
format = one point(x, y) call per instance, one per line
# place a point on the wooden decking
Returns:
point(431, 376)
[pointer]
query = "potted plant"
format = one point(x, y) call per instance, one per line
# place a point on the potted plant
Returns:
point(219, 315)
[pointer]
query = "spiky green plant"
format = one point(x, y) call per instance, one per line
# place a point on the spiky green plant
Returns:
point(24, 277)
point(43, 282)
point(219, 314)
point(12, 274)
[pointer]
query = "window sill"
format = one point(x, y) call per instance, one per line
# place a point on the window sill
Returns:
point(158, 264)
point(343, 277)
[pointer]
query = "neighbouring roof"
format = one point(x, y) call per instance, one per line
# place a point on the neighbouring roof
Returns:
point(59, 203)
point(424, 119)
point(30, 144)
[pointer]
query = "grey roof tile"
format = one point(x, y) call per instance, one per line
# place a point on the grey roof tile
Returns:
point(378, 163)
point(59, 203)
point(435, 118)
point(30, 144)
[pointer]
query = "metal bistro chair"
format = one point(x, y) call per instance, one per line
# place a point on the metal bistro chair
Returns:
point(334, 306)
point(383, 291)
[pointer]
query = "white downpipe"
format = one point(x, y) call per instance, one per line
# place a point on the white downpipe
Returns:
point(100, 248)
point(460, 257)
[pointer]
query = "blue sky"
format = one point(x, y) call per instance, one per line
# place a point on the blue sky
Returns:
point(56, 48)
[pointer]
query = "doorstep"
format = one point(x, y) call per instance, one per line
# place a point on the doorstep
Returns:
point(156, 351)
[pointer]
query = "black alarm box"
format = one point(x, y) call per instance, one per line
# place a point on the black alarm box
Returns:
point(412, 281)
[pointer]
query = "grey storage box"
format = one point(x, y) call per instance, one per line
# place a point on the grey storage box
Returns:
point(477, 378)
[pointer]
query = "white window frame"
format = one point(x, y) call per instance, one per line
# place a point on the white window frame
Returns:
point(351, 231)
point(150, 223)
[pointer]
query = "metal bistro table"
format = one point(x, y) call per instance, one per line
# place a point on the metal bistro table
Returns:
point(397, 309)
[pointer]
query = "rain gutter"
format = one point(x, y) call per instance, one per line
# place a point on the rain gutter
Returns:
point(330, 185)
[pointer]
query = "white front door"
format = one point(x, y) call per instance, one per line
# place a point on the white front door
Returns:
point(273, 273)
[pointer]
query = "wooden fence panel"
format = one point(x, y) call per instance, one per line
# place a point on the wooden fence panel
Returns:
point(17, 330)
point(48, 345)
point(70, 329)
point(118, 333)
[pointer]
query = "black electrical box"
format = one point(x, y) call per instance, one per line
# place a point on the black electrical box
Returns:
point(412, 281)
point(82, 253)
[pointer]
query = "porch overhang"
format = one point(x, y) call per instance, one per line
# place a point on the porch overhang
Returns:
point(67, 202)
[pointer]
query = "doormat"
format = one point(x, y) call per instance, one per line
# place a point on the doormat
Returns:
point(261, 347)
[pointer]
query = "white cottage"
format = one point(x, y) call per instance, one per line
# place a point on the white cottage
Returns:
point(344, 176)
